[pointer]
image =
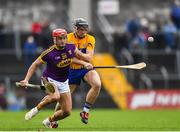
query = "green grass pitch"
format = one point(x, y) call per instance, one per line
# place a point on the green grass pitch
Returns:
point(100, 120)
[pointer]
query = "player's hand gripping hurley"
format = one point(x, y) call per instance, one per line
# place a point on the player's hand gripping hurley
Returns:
point(133, 66)
point(47, 87)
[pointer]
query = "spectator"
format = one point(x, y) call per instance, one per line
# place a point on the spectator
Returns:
point(16, 100)
point(133, 28)
point(138, 42)
point(169, 31)
point(46, 32)
point(36, 28)
point(30, 48)
point(175, 13)
point(3, 102)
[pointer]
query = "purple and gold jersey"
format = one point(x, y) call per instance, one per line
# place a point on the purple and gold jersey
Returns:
point(57, 62)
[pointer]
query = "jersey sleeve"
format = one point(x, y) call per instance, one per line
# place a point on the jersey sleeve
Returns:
point(70, 38)
point(73, 49)
point(44, 56)
point(91, 43)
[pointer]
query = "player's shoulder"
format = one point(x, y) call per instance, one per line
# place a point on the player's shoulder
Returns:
point(48, 50)
point(70, 46)
point(70, 34)
point(90, 37)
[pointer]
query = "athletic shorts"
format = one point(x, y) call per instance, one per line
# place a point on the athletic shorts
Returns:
point(75, 75)
point(63, 87)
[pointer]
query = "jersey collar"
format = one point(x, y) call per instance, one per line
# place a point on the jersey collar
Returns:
point(75, 35)
point(59, 48)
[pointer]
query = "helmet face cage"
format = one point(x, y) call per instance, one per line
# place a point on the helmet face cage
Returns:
point(80, 22)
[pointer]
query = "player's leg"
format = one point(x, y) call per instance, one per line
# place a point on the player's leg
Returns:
point(72, 89)
point(45, 101)
point(94, 81)
point(51, 97)
point(74, 80)
point(66, 106)
point(34, 111)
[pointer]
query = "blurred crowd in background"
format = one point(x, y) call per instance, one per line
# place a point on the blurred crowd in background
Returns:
point(153, 31)
point(162, 24)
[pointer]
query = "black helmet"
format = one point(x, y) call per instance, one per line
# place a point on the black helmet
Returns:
point(80, 22)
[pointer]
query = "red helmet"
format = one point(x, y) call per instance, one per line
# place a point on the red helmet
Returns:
point(59, 32)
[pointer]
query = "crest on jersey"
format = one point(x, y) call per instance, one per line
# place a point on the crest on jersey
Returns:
point(64, 56)
point(85, 45)
point(70, 52)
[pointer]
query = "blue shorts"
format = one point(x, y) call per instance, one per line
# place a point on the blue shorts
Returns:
point(75, 75)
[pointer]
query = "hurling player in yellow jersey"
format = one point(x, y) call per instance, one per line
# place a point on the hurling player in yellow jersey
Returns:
point(85, 43)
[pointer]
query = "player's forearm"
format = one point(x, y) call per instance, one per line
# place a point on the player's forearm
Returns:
point(85, 57)
point(31, 71)
point(77, 61)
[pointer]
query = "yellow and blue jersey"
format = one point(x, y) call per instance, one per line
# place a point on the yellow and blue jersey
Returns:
point(84, 44)
point(77, 72)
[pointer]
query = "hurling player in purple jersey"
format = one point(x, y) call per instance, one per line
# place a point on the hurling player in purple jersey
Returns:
point(57, 59)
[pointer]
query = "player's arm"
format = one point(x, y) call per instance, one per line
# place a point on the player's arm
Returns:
point(86, 57)
point(81, 62)
point(89, 49)
point(31, 71)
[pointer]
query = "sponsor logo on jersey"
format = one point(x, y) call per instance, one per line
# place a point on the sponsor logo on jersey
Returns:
point(64, 63)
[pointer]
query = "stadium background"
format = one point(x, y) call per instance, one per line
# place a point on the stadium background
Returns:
point(115, 44)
